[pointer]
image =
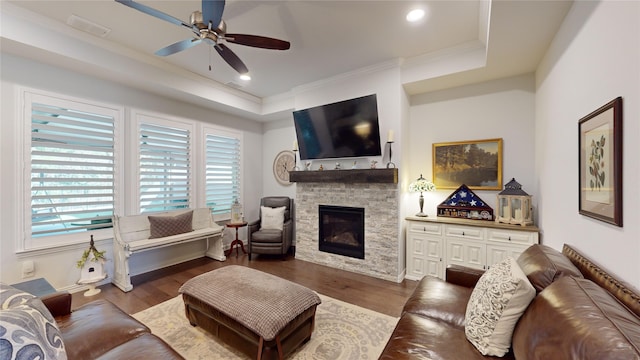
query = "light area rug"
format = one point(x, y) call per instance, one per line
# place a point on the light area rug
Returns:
point(342, 331)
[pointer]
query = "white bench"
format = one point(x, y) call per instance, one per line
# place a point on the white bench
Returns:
point(131, 236)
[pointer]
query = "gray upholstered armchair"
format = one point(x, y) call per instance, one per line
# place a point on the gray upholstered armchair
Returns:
point(272, 241)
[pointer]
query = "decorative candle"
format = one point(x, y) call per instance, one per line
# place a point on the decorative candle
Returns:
point(390, 136)
point(505, 211)
point(518, 214)
point(295, 145)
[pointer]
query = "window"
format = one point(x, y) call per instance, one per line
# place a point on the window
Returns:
point(222, 177)
point(72, 166)
point(165, 164)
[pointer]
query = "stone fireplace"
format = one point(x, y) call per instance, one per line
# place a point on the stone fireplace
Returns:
point(376, 194)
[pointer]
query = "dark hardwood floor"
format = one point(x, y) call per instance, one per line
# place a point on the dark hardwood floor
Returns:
point(152, 288)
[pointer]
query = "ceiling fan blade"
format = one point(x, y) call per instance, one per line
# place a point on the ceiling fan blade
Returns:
point(153, 12)
point(258, 41)
point(212, 12)
point(231, 58)
point(177, 47)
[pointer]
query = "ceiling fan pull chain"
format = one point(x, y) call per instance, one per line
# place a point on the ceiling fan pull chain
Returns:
point(209, 58)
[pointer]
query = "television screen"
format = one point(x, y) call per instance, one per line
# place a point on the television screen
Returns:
point(340, 130)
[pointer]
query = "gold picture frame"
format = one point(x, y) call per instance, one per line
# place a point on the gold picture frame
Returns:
point(600, 163)
point(474, 163)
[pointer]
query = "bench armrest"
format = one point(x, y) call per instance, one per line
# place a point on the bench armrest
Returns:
point(463, 276)
point(58, 303)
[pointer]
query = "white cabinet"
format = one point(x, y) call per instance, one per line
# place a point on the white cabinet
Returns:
point(435, 243)
point(424, 250)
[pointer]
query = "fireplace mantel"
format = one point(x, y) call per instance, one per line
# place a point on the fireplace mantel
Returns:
point(387, 176)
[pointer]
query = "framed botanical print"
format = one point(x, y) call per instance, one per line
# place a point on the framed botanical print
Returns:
point(600, 163)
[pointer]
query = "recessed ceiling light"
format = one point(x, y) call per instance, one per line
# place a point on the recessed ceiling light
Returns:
point(415, 15)
point(245, 77)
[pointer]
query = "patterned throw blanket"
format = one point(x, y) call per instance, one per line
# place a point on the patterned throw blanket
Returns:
point(262, 302)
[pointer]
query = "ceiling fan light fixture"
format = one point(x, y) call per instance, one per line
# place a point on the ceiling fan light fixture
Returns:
point(245, 77)
point(415, 15)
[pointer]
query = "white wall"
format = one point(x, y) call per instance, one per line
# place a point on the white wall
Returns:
point(59, 267)
point(594, 58)
point(496, 109)
point(278, 136)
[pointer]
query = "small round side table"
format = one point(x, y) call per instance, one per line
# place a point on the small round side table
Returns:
point(237, 241)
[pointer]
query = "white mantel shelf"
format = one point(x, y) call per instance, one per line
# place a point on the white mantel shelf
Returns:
point(482, 223)
point(388, 176)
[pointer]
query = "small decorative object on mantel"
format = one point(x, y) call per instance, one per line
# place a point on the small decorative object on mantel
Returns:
point(421, 185)
point(514, 205)
point(373, 164)
point(320, 168)
point(92, 268)
point(338, 167)
point(307, 166)
point(464, 203)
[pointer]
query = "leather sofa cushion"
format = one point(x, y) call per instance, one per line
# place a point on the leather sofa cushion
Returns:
point(144, 347)
point(549, 330)
point(543, 265)
point(440, 300)
point(417, 337)
point(96, 328)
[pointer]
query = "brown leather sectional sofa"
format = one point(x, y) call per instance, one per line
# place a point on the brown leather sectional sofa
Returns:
point(100, 330)
point(579, 312)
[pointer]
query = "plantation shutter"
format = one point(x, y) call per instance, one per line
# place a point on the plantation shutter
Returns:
point(165, 168)
point(72, 170)
point(222, 173)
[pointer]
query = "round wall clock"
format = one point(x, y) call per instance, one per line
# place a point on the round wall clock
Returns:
point(282, 164)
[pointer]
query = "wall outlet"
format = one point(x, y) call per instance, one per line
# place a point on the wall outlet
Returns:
point(28, 269)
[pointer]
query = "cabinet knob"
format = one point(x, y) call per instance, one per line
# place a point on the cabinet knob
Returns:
point(509, 238)
point(463, 233)
point(424, 229)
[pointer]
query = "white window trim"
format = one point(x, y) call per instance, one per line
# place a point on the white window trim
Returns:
point(137, 116)
point(204, 130)
point(26, 96)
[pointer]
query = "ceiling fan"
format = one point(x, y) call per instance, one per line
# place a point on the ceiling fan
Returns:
point(208, 27)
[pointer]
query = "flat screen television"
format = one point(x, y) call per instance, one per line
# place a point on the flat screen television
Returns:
point(344, 129)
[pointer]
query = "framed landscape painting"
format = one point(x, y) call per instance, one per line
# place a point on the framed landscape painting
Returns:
point(600, 159)
point(475, 163)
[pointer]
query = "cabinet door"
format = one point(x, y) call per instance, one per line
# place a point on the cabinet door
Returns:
point(433, 257)
point(497, 253)
point(415, 256)
point(424, 250)
point(466, 253)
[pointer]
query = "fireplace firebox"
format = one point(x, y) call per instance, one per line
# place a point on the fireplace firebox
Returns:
point(341, 230)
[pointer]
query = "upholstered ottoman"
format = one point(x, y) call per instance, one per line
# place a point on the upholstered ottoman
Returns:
point(259, 314)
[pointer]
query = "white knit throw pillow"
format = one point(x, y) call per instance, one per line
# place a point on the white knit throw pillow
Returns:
point(498, 300)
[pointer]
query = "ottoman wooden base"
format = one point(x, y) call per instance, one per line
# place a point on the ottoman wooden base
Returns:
point(210, 310)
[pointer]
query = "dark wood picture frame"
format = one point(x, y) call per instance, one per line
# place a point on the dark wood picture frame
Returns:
point(600, 163)
point(474, 163)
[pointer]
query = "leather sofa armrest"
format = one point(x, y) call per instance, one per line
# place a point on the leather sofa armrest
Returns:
point(463, 276)
point(58, 303)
